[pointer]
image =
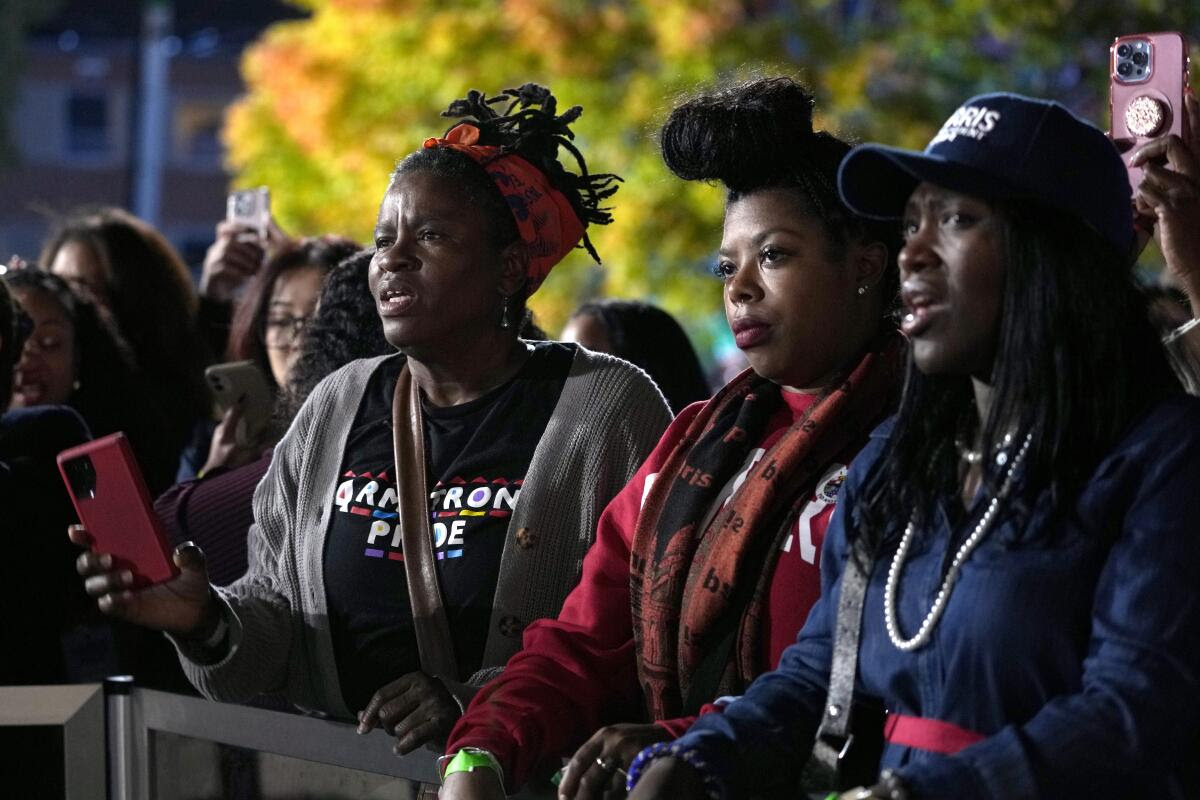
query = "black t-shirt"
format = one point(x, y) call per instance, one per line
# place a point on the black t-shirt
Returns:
point(478, 454)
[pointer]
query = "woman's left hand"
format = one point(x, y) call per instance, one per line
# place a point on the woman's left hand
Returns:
point(599, 767)
point(417, 709)
point(226, 449)
point(1170, 192)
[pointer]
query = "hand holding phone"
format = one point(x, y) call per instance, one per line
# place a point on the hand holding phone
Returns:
point(251, 208)
point(131, 570)
point(1147, 81)
point(232, 260)
point(1169, 196)
point(183, 605)
point(241, 385)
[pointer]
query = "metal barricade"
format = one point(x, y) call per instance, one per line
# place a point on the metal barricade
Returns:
point(137, 717)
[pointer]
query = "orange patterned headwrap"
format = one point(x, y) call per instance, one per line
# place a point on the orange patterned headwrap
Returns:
point(545, 219)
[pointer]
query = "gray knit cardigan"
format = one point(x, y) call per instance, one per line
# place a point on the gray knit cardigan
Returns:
point(608, 418)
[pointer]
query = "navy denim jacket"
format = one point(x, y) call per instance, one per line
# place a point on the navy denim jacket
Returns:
point(1078, 660)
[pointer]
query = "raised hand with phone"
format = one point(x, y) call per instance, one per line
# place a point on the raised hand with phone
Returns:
point(1168, 197)
point(244, 239)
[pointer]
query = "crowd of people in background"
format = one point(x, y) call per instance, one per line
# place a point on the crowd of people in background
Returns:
point(937, 540)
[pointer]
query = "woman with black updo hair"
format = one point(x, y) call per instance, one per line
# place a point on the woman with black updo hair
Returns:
point(706, 564)
point(1013, 573)
point(470, 225)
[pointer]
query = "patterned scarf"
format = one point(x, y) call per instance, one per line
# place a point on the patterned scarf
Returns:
point(548, 225)
point(690, 585)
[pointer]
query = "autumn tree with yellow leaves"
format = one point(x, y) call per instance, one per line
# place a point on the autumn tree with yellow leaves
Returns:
point(335, 100)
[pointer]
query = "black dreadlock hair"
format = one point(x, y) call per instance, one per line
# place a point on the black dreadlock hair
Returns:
point(528, 127)
point(759, 135)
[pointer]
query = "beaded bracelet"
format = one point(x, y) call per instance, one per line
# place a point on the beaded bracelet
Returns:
point(714, 788)
point(890, 787)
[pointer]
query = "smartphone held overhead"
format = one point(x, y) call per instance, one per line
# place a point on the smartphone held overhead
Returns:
point(252, 208)
point(1147, 79)
point(114, 505)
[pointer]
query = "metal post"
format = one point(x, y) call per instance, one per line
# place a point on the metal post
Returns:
point(124, 779)
point(153, 107)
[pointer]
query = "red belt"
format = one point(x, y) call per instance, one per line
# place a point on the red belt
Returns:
point(928, 734)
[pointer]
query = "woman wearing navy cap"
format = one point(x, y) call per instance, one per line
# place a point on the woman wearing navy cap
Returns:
point(1017, 549)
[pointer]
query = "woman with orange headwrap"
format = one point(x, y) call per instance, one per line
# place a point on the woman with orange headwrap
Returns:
point(468, 229)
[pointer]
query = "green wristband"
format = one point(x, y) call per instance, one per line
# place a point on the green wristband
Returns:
point(470, 759)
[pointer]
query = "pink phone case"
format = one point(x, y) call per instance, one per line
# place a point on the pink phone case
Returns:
point(1135, 101)
point(114, 505)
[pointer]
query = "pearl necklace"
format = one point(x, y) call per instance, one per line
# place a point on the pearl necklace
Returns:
point(890, 591)
point(973, 457)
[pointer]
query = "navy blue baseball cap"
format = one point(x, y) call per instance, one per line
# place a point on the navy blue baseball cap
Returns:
point(1002, 146)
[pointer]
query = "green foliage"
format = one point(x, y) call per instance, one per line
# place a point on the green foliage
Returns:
point(336, 100)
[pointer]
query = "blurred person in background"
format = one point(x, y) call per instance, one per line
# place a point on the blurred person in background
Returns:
point(469, 227)
point(270, 316)
point(129, 268)
point(73, 356)
point(644, 335)
point(216, 511)
point(41, 596)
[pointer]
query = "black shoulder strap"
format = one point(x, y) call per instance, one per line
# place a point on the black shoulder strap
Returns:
point(834, 734)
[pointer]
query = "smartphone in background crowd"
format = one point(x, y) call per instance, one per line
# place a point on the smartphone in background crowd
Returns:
point(1147, 79)
point(252, 208)
point(242, 382)
point(112, 501)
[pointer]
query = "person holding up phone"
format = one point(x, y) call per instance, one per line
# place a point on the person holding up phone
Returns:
point(1168, 202)
point(1016, 561)
point(267, 327)
point(128, 268)
point(527, 442)
point(238, 253)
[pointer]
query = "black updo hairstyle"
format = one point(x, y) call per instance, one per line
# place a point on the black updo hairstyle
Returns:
point(759, 135)
point(528, 127)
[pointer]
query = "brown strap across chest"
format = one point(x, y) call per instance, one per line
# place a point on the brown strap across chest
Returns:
point(434, 643)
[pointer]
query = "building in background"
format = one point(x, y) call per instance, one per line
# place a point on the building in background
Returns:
point(74, 120)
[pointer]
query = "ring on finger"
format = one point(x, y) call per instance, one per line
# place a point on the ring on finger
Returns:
point(611, 765)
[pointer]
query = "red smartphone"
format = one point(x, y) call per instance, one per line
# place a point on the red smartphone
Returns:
point(113, 503)
point(1147, 79)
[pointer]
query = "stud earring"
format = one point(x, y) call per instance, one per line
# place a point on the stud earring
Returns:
point(862, 290)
